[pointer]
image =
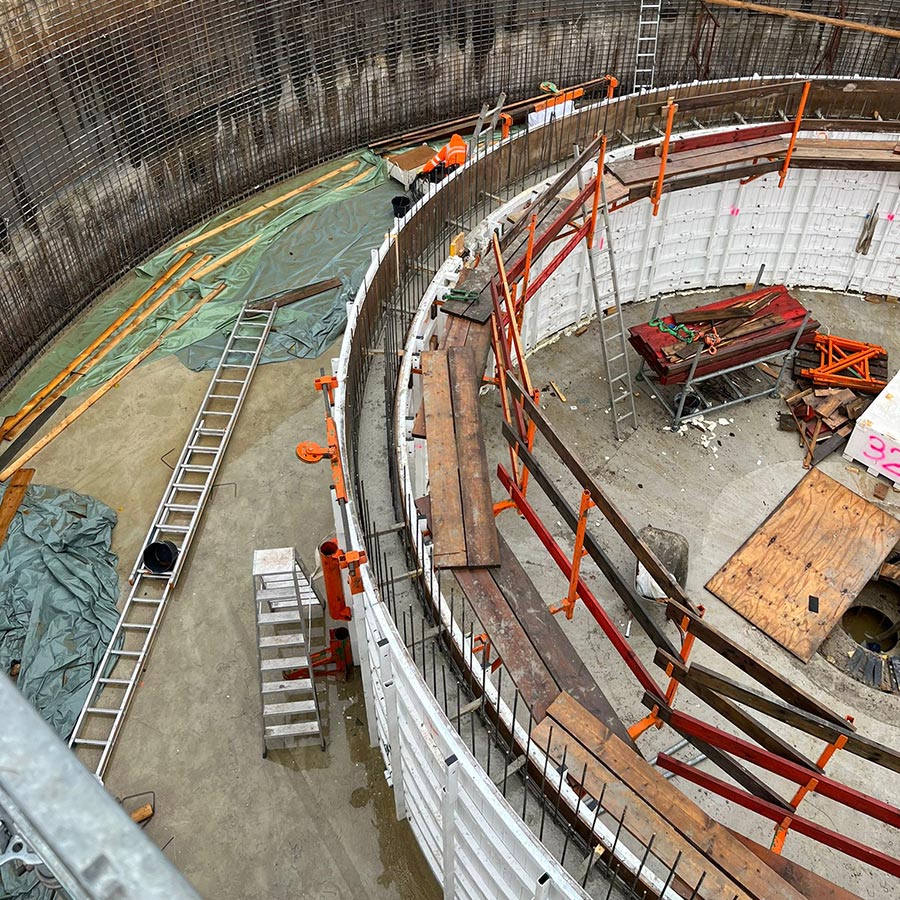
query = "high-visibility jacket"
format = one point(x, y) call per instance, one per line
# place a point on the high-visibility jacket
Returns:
point(452, 154)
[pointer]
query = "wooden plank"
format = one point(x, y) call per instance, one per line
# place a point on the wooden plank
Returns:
point(803, 721)
point(550, 641)
point(533, 679)
point(12, 498)
point(822, 540)
point(720, 138)
point(808, 883)
point(722, 98)
point(443, 464)
point(298, 294)
point(849, 24)
point(640, 820)
point(751, 665)
point(85, 405)
point(734, 714)
point(632, 172)
point(720, 851)
point(482, 548)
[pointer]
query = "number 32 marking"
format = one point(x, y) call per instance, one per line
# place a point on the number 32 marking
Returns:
point(879, 451)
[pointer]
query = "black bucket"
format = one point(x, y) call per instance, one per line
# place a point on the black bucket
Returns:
point(160, 556)
point(401, 206)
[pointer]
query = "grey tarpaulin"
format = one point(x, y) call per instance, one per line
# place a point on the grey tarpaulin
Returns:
point(58, 591)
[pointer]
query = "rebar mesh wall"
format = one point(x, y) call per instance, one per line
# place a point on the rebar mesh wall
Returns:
point(122, 124)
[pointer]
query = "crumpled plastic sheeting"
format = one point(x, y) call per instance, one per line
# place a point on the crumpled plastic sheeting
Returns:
point(58, 593)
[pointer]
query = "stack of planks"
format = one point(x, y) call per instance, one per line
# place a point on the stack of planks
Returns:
point(824, 419)
point(462, 525)
point(771, 326)
point(651, 808)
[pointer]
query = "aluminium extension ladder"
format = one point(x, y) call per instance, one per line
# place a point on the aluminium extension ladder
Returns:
point(176, 520)
point(290, 622)
point(647, 37)
point(613, 342)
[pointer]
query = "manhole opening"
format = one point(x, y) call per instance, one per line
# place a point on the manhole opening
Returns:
point(870, 628)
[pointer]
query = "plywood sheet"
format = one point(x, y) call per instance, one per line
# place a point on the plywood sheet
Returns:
point(822, 541)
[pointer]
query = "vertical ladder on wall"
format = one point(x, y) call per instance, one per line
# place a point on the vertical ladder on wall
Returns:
point(176, 522)
point(647, 37)
point(290, 621)
point(613, 342)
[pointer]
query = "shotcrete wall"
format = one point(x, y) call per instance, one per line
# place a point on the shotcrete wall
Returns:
point(123, 123)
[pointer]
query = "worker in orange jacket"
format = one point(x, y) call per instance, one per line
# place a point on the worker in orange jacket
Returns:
point(448, 158)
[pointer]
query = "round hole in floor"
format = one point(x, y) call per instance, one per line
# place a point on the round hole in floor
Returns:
point(871, 628)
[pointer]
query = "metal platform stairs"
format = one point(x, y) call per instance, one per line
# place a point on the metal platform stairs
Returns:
point(290, 628)
point(174, 526)
point(647, 38)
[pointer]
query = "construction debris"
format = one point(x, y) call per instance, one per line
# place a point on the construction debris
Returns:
point(824, 419)
point(841, 362)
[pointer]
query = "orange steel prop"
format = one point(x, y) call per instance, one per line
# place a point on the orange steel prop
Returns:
point(568, 602)
point(653, 718)
point(532, 226)
point(782, 828)
point(793, 141)
point(658, 186)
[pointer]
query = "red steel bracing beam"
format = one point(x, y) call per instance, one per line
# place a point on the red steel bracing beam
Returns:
point(715, 140)
point(541, 243)
point(557, 260)
point(833, 839)
point(622, 646)
point(776, 764)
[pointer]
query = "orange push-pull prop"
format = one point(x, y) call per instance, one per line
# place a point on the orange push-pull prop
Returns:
point(568, 602)
point(782, 828)
point(687, 645)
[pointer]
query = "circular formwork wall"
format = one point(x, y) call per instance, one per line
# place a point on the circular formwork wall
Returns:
point(122, 124)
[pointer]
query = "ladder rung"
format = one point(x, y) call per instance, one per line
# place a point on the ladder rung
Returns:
point(175, 529)
point(119, 681)
point(251, 352)
point(619, 378)
point(131, 654)
point(291, 708)
point(617, 356)
point(181, 507)
point(189, 467)
point(88, 742)
point(224, 397)
point(101, 711)
point(132, 626)
point(626, 416)
point(279, 618)
point(295, 729)
point(211, 432)
point(235, 366)
point(295, 686)
point(184, 486)
point(293, 662)
point(281, 640)
point(231, 380)
point(149, 600)
point(196, 448)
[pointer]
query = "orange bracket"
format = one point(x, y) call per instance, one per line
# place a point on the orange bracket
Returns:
point(793, 141)
point(311, 452)
point(568, 602)
point(664, 156)
point(781, 829)
point(611, 84)
point(482, 643)
point(687, 645)
point(353, 560)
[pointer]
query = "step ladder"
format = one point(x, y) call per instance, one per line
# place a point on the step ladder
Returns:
point(176, 520)
point(647, 37)
point(613, 342)
point(290, 627)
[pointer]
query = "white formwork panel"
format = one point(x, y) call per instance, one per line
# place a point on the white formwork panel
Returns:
point(875, 442)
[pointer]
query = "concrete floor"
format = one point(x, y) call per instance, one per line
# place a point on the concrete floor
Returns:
point(716, 496)
point(301, 823)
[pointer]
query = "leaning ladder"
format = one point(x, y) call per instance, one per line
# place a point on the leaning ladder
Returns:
point(647, 37)
point(290, 621)
point(613, 343)
point(176, 520)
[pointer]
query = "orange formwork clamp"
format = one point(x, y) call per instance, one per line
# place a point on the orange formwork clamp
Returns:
point(568, 603)
point(782, 828)
point(506, 121)
point(311, 452)
point(687, 644)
